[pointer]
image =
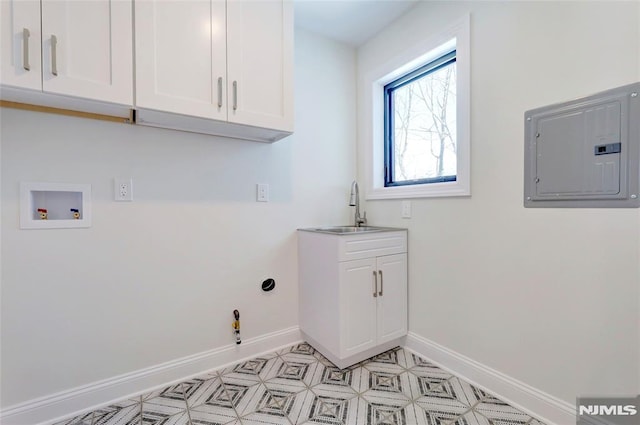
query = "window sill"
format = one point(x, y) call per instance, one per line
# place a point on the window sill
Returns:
point(431, 190)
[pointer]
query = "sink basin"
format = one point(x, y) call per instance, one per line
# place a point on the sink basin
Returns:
point(343, 230)
point(348, 229)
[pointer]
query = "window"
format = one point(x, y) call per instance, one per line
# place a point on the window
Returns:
point(415, 127)
point(420, 125)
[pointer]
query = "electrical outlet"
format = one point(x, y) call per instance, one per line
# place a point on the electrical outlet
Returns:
point(123, 189)
point(406, 209)
point(262, 192)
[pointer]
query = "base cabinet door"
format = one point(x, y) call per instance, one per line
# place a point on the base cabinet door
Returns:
point(392, 297)
point(357, 306)
point(373, 302)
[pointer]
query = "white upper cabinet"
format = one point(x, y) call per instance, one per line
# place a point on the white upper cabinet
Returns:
point(181, 57)
point(222, 67)
point(20, 60)
point(86, 48)
point(230, 61)
point(260, 63)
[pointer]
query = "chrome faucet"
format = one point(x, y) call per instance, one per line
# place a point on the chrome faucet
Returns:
point(354, 201)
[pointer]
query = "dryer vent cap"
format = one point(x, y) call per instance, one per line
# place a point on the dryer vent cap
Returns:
point(268, 285)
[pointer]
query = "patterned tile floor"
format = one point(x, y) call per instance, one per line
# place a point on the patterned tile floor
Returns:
point(298, 385)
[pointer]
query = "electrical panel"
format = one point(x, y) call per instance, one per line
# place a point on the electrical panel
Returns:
point(584, 153)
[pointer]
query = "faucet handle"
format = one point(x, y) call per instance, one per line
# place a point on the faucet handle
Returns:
point(363, 220)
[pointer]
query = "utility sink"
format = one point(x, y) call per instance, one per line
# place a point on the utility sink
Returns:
point(344, 230)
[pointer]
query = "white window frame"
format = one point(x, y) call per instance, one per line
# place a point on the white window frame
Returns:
point(457, 37)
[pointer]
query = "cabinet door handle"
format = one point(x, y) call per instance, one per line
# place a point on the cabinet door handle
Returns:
point(219, 92)
point(381, 283)
point(54, 55)
point(25, 49)
point(235, 95)
point(375, 284)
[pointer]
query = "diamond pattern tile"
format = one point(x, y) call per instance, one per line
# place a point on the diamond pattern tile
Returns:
point(84, 419)
point(116, 415)
point(163, 407)
point(209, 414)
point(158, 418)
point(331, 409)
point(500, 413)
point(251, 370)
point(299, 386)
point(429, 370)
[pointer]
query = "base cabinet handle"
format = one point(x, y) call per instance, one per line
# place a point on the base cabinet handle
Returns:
point(375, 284)
point(381, 283)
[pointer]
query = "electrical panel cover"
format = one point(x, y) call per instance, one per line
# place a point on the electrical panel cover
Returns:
point(584, 153)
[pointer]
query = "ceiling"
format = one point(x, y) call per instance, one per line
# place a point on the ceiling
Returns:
point(349, 21)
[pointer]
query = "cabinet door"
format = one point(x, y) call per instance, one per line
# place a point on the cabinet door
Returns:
point(260, 63)
point(392, 297)
point(16, 68)
point(181, 57)
point(357, 306)
point(88, 49)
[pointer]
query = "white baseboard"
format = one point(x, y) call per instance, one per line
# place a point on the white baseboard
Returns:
point(51, 408)
point(542, 406)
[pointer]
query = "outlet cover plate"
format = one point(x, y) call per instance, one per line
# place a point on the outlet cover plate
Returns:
point(123, 189)
point(262, 194)
point(406, 209)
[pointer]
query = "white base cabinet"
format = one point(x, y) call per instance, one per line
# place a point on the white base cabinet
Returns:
point(353, 293)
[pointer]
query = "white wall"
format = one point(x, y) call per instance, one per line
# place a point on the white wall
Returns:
point(546, 296)
point(638, 78)
point(158, 279)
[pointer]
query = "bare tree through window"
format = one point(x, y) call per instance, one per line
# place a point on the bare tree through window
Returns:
point(424, 126)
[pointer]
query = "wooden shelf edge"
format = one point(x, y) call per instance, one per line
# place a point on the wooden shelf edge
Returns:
point(68, 112)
